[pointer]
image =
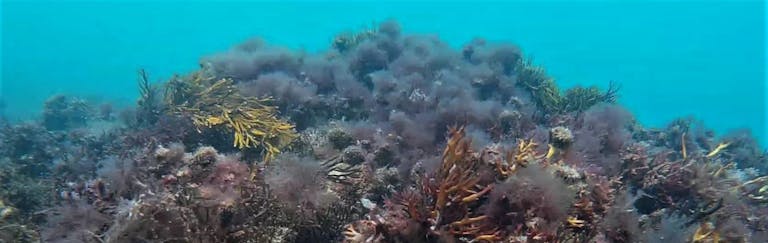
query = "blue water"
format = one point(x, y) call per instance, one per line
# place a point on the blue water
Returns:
point(700, 58)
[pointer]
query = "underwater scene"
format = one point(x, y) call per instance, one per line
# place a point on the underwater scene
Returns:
point(363, 121)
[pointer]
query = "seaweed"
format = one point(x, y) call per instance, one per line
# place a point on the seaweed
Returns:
point(61, 112)
point(343, 42)
point(211, 104)
point(149, 105)
point(547, 95)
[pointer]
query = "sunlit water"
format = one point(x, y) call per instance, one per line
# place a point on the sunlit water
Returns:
point(672, 59)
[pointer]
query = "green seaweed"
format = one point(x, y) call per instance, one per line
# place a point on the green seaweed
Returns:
point(547, 95)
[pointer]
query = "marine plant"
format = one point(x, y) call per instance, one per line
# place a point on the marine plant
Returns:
point(547, 95)
point(474, 196)
point(216, 103)
point(443, 207)
point(149, 105)
point(343, 42)
point(61, 112)
point(579, 99)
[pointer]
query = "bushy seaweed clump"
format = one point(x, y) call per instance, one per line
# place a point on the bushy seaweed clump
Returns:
point(216, 103)
point(356, 137)
point(545, 93)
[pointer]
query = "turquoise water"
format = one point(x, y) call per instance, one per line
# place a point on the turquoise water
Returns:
point(700, 58)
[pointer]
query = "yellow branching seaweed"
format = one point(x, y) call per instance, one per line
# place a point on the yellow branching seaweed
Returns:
point(718, 149)
point(519, 158)
point(575, 222)
point(756, 189)
point(706, 233)
point(212, 104)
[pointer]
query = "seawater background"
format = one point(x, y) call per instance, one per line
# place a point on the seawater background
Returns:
point(672, 58)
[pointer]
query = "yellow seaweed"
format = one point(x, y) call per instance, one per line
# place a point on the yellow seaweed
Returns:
point(212, 104)
point(718, 149)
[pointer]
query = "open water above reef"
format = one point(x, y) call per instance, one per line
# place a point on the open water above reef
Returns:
point(672, 58)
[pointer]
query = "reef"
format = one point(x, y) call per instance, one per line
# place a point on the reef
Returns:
point(384, 137)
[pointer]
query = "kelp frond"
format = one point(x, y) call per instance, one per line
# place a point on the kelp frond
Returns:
point(211, 104)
